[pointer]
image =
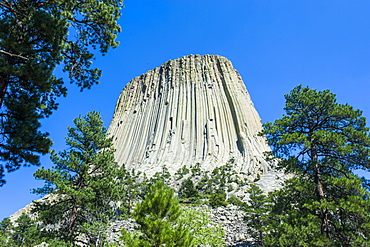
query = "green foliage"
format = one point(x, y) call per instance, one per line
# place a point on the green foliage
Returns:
point(181, 172)
point(163, 175)
point(84, 184)
point(236, 201)
point(5, 232)
point(316, 124)
point(294, 218)
point(205, 185)
point(292, 223)
point(23, 232)
point(188, 192)
point(206, 232)
point(214, 185)
point(321, 142)
point(26, 232)
point(223, 175)
point(35, 37)
point(257, 211)
point(131, 190)
point(196, 170)
point(218, 199)
point(218, 180)
point(159, 222)
point(3, 240)
point(257, 178)
point(208, 185)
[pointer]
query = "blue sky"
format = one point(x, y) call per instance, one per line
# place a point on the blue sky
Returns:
point(275, 45)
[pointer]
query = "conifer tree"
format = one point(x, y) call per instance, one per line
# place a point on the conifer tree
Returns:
point(26, 232)
point(181, 172)
point(218, 198)
point(130, 190)
point(163, 175)
point(5, 232)
point(35, 37)
point(158, 219)
point(320, 142)
point(82, 186)
point(257, 211)
point(187, 191)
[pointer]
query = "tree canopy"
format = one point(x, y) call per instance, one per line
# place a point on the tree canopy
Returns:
point(35, 37)
point(83, 186)
point(159, 222)
point(322, 143)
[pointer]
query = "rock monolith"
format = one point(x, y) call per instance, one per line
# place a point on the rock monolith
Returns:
point(194, 109)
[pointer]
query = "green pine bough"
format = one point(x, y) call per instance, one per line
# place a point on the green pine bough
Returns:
point(83, 187)
point(321, 143)
point(36, 37)
point(162, 221)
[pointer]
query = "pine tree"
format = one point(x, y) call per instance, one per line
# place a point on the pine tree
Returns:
point(131, 188)
point(5, 232)
point(26, 232)
point(163, 175)
point(218, 199)
point(158, 219)
point(292, 223)
point(257, 211)
point(83, 185)
point(187, 191)
point(34, 39)
point(320, 142)
point(181, 172)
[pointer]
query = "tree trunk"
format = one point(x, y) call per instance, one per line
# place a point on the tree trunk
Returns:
point(3, 88)
point(72, 221)
point(320, 193)
point(4, 81)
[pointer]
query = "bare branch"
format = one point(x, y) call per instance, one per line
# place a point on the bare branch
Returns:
point(335, 169)
point(13, 55)
point(5, 6)
point(11, 8)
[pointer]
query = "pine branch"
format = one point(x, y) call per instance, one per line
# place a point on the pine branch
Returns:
point(13, 55)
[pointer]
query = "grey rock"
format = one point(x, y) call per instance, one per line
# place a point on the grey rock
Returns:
point(195, 109)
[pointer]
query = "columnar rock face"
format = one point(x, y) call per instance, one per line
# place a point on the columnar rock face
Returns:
point(190, 110)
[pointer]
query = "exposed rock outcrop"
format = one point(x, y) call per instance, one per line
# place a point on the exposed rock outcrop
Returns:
point(194, 109)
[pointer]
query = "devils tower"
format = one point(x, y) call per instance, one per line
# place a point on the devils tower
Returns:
point(195, 109)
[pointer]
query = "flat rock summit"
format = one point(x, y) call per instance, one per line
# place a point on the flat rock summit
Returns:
point(194, 109)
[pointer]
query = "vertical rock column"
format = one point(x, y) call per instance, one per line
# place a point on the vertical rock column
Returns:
point(194, 109)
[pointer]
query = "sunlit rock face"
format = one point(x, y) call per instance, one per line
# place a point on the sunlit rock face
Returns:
point(190, 110)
